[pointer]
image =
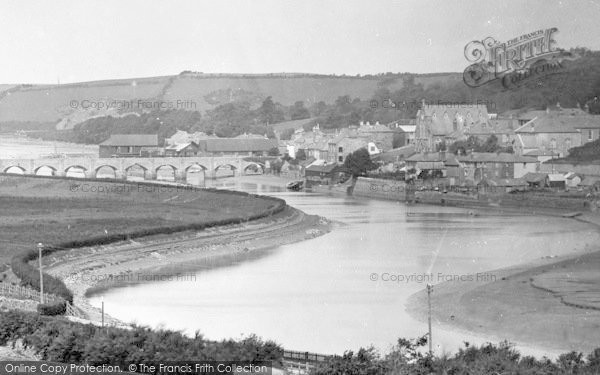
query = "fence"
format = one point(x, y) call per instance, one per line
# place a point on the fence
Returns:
point(24, 292)
point(304, 356)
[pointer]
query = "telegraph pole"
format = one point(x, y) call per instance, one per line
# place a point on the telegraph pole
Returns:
point(40, 247)
point(429, 339)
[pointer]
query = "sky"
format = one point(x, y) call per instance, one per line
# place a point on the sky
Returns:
point(73, 41)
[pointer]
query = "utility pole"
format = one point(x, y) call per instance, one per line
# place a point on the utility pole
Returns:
point(429, 339)
point(40, 247)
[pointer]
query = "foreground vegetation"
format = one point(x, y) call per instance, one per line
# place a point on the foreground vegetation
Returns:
point(408, 357)
point(67, 213)
point(59, 340)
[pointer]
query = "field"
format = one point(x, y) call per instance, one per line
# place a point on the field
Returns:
point(50, 103)
point(55, 211)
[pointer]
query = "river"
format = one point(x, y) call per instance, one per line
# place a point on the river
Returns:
point(320, 295)
point(337, 292)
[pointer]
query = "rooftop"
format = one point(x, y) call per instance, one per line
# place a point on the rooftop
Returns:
point(239, 144)
point(131, 140)
point(493, 157)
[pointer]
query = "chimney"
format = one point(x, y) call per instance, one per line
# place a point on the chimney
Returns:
point(558, 106)
point(368, 123)
point(547, 109)
point(377, 123)
point(352, 131)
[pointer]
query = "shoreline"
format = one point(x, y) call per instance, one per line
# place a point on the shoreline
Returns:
point(86, 272)
point(513, 305)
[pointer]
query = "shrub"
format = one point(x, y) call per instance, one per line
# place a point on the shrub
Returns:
point(54, 308)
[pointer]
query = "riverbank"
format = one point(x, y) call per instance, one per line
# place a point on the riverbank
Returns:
point(139, 228)
point(90, 270)
point(551, 303)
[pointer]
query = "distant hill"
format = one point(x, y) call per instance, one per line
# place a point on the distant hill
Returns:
point(51, 103)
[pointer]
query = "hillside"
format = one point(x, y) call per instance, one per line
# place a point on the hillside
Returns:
point(50, 103)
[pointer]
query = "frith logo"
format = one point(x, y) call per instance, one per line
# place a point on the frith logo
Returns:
point(516, 61)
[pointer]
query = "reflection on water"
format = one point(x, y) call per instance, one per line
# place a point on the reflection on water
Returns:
point(318, 295)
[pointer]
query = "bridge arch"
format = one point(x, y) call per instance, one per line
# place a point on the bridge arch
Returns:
point(163, 167)
point(129, 168)
point(254, 165)
point(231, 167)
point(194, 173)
point(13, 167)
point(78, 171)
point(106, 166)
point(195, 165)
point(52, 169)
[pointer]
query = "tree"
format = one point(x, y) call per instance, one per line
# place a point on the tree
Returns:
point(287, 134)
point(270, 112)
point(299, 112)
point(359, 162)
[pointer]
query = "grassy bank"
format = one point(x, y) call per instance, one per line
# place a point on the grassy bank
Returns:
point(64, 213)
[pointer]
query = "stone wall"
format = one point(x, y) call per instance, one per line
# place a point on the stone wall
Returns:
point(381, 189)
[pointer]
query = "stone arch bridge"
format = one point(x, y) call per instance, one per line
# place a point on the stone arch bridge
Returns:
point(121, 166)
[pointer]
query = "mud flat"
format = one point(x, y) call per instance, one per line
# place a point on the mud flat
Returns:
point(552, 303)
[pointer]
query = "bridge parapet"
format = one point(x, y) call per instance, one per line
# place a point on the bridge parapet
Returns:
point(91, 165)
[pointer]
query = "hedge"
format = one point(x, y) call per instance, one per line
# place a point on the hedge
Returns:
point(56, 308)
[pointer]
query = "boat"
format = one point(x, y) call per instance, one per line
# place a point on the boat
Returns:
point(295, 185)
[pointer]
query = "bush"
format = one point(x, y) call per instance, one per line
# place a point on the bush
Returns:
point(55, 308)
point(57, 339)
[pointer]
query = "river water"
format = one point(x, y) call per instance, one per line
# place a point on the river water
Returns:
point(320, 295)
point(337, 292)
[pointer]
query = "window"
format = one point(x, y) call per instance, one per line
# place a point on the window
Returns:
point(340, 149)
point(590, 135)
point(372, 148)
point(341, 159)
point(567, 143)
point(553, 143)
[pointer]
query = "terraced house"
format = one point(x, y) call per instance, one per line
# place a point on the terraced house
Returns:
point(555, 132)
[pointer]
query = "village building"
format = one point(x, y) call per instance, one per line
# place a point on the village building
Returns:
point(490, 165)
point(502, 128)
point(556, 132)
point(130, 145)
point(377, 133)
point(182, 150)
point(237, 146)
point(350, 140)
point(182, 137)
point(440, 123)
point(324, 174)
point(572, 179)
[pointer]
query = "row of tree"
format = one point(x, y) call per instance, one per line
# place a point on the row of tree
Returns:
point(577, 83)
